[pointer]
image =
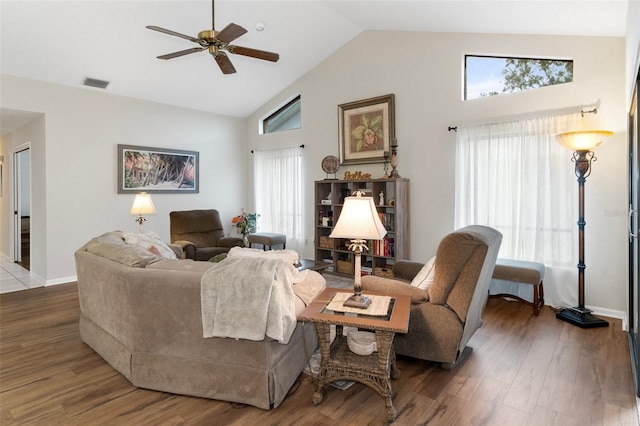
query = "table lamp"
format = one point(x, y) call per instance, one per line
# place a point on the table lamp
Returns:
point(142, 205)
point(582, 143)
point(359, 221)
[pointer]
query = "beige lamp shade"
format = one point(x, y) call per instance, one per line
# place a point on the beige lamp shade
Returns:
point(585, 140)
point(359, 220)
point(142, 205)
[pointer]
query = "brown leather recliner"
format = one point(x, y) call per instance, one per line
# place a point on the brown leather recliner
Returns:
point(200, 234)
point(445, 316)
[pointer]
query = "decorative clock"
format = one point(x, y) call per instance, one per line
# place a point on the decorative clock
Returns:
point(330, 165)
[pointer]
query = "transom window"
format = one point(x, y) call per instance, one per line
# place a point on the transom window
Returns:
point(495, 75)
point(286, 117)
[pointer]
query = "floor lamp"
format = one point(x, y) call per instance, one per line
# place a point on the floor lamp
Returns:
point(358, 221)
point(582, 143)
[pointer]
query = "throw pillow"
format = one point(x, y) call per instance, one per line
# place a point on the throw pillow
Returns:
point(218, 258)
point(112, 246)
point(152, 242)
point(425, 277)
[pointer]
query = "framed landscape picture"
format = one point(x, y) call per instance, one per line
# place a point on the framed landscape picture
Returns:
point(158, 170)
point(366, 129)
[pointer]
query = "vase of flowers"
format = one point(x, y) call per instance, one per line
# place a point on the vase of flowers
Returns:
point(245, 223)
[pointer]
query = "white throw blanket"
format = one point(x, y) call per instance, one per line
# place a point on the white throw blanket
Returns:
point(249, 298)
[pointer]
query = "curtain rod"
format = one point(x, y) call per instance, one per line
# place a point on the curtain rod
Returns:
point(301, 146)
point(583, 111)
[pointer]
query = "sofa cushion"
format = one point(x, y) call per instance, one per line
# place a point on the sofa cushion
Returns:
point(188, 265)
point(113, 247)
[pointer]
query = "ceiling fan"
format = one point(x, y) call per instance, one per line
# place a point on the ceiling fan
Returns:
point(216, 42)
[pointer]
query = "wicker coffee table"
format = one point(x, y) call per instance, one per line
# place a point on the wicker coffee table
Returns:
point(339, 363)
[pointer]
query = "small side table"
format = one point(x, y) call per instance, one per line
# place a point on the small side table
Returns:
point(339, 363)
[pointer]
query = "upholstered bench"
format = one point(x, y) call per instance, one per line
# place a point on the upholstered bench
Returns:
point(508, 276)
point(267, 239)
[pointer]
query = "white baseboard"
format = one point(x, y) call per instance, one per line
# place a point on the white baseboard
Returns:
point(611, 313)
point(63, 280)
point(38, 279)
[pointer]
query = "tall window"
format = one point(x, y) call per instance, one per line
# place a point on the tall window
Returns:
point(279, 193)
point(517, 179)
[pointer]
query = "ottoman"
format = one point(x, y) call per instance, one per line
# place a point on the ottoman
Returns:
point(267, 239)
point(519, 272)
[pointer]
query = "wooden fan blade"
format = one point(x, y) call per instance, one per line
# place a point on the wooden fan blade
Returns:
point(230, 33)
point(173, 33)
point(254, 53)
point(224, 63)
point(181, 53)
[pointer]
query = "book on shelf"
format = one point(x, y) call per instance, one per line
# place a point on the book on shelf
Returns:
point(388, 221)
point(344, 192)
point(384, 247)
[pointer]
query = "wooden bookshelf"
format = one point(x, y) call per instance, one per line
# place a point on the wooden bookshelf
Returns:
point(394, 214)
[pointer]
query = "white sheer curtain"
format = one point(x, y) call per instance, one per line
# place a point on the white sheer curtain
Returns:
point(516, 178)
point(278, 193)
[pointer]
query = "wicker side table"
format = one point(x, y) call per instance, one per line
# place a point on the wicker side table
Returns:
point(339, 363)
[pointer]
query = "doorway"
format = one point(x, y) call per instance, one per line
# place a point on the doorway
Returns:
point(22, 206)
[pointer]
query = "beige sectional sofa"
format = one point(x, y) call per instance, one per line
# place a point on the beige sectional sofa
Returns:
point(142, 314)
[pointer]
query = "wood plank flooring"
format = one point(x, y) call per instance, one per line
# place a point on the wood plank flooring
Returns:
point(524, 370)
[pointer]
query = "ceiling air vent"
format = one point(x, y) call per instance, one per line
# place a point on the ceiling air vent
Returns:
point(94, 82)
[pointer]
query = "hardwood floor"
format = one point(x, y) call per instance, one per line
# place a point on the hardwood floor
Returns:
point(524, 370)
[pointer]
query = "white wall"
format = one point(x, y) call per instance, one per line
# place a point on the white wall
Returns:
point(74, 166)
point(424, 71)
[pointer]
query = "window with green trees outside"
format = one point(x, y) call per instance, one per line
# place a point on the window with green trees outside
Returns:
point(494, 75)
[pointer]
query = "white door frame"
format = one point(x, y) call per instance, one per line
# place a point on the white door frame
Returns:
point(16, 200)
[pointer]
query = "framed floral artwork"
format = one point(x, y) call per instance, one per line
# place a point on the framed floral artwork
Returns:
point(366, 130)
point(158, 170)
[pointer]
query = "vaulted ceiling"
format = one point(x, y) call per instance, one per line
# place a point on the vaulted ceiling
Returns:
point(65, 41)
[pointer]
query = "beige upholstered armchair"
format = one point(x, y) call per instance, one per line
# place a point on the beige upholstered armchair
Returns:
point(445, 316)
point(200, 234)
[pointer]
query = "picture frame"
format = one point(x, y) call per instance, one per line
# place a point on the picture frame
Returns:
point(366, 130)
point(157, 170)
